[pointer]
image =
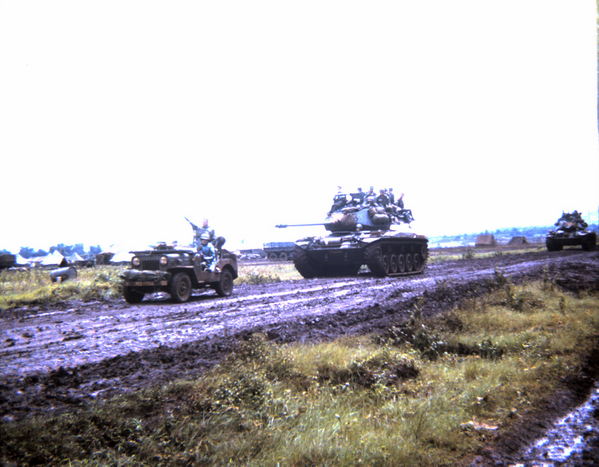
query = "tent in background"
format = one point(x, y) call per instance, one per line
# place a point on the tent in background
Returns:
point(54, 259)
point(485, 240)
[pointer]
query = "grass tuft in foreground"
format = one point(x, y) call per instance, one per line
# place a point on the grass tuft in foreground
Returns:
point(427, 393)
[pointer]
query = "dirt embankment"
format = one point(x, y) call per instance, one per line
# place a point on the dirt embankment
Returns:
point(53, 358)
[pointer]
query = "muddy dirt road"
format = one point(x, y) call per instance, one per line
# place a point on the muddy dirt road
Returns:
point(52, 358)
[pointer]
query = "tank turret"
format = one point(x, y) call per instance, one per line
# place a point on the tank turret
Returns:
point(363, 231)
point(362, 218)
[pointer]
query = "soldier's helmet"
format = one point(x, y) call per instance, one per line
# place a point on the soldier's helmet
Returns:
point(205, 236)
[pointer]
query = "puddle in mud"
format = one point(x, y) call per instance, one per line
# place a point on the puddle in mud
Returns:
point(567, 441)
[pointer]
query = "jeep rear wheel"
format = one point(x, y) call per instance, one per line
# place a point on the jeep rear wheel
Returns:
point(224, 287)
point(180, 287)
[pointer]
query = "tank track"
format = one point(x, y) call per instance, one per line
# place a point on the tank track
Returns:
point(302, 263)
point(393, 258)
point(310, 269)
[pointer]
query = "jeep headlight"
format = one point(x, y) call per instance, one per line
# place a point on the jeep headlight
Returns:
point(163, 260)
point(135, 261)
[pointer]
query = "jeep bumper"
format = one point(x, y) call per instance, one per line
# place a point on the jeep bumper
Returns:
point(135, 278)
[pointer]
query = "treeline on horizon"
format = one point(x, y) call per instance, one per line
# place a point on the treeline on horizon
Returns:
point(65, 250)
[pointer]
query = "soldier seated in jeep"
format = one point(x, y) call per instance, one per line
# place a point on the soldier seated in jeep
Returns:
point(207, 253)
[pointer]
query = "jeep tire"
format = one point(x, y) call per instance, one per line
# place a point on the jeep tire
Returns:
point(224, 286)
point(131, 295)
point(180, 287)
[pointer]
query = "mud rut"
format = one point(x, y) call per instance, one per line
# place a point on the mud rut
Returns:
point(54, 358)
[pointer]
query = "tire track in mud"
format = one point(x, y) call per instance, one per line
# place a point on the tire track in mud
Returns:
point(68, 354)
point(39, 343)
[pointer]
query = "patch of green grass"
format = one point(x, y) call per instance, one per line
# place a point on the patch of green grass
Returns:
point(468, 253)
point(265, 274)
point(35, 287)
point(371, 400)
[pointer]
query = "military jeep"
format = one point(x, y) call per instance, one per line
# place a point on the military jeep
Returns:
point(177, 272)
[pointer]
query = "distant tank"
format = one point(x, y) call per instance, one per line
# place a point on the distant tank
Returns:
point(362, 234)
point(571, 231)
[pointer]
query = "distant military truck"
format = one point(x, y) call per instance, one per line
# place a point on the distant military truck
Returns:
point(177, 272)
point(279, 251)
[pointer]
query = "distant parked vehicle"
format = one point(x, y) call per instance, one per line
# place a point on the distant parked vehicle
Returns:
point(279, 251)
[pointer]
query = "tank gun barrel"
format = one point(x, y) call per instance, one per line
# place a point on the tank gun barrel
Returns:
point(284, 226)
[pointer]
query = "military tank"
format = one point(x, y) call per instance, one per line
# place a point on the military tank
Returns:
point(362, 234)
point(571, 231)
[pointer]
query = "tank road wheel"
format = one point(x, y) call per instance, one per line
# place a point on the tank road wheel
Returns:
point(417, 262)
point(374, 261)
point(132, 296)
point(424, 254)
point(224, 287)
point(283, 256)
point(180, 287)
point(273, 256)
point(393, 264)
point(303, 264)
point(401, 263)
point(409, 262)
point(385, 261)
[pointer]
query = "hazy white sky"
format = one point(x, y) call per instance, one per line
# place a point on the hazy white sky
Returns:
point(118, 118)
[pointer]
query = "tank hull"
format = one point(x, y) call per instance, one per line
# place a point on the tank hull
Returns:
point(384, 253)
point(558, 240)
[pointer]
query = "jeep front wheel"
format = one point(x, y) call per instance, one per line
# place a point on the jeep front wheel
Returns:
point(180, 287)
point(224, 287)
point(132, 296)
